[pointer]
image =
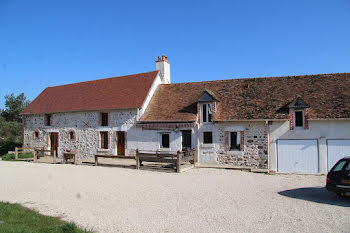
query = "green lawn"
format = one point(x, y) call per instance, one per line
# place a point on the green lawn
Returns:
point(9, 157)
point(16, 218)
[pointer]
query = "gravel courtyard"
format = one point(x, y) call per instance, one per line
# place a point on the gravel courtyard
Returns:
point(115, 199)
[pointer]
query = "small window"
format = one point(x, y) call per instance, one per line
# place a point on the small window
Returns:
point(207, 112)
point(71, 135)
point(208, 137)
point(339, 166)
point(36, 135)
point(235, 141)
point(48, 119)
point(104, 119)
point(165, 143)
point(299, 119)
point(104, 140)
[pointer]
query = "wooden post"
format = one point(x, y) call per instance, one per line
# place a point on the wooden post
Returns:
point(178, 166)
point(194, 157)
point(35, 156)
point(96, 160)
point(75, 158)
point(54, 156)
point(137, 159)
point(16, 153)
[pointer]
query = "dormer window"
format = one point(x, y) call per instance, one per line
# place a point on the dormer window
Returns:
point(299, 119)
point(298, 114)
point(104, 119)
point(207, 112)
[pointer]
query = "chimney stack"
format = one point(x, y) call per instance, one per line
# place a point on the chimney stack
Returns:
point(163, 66)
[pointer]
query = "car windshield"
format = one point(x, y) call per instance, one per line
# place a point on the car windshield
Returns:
point(339, 166)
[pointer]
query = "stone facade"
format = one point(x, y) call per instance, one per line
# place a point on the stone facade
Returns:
point(86, 127)
point(255, 147)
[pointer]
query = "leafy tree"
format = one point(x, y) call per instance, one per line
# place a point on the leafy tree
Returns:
point(14, 105)
point(11, 122)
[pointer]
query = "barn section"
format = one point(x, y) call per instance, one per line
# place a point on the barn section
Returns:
point(312, 151)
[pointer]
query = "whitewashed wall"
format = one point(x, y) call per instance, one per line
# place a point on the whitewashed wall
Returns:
point(320, 130)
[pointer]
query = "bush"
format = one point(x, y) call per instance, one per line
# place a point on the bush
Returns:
point(9, 157)
point(9, 146)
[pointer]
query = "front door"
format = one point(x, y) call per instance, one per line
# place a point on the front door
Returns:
point(186, 139)
point(54, 141)
point(121, 143)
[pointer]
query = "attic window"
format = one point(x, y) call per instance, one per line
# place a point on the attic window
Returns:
point(36, 135)
point(48, 119)
point(71, 135)
point(104, 119)
point(299, 118)
point(207, 112)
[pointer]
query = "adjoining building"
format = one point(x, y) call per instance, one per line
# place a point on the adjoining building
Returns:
point(297, 124)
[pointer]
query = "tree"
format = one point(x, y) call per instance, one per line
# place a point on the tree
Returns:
point(14, 105)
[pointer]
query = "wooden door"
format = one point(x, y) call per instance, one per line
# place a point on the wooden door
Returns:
point(121, 142)
point(54, 141)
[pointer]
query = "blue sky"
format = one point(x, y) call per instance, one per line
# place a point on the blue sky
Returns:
point(47, 43)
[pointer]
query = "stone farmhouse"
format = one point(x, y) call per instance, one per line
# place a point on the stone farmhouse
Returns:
point(294, 124)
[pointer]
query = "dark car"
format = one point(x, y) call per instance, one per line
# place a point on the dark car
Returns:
point(338, 178)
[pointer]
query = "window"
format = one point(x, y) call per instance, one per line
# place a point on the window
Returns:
point(104, 140)
point(235, 141)
point(207, 112)
point(208, 137)
point(299, 119)
point(48, 119)
point(104, 119)
point(36, 135)
point(165, 143)
point(339, 166)
point(71, 135)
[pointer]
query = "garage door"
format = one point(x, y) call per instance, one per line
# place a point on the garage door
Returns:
point(297, 156)
point(337, 149)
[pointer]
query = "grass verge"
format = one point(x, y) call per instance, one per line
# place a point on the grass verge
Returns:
point(16, 218)
point(9, 157)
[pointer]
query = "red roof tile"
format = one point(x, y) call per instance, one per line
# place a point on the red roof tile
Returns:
point(254, 98)
point(111, 93)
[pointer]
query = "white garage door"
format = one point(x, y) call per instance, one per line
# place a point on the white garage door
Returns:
point(337, 149)
point(297, 156)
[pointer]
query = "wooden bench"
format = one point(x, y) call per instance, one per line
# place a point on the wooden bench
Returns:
point(68, 156)
point(111, 157)
point(162, 157)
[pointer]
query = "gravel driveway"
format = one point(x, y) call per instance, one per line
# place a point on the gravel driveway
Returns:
point(114, 199)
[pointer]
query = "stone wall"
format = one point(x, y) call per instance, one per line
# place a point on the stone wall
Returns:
point(86, 126)
point(255, 145)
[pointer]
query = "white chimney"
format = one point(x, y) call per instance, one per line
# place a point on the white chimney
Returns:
point(164, 67)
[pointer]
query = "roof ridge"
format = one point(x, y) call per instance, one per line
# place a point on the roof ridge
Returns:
point(266, 77)
point(95, 80)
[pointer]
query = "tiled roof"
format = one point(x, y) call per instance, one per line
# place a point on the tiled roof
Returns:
point(111, 93)
point(254, 98)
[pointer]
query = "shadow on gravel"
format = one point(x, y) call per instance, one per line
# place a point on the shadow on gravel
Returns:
point(318, 195)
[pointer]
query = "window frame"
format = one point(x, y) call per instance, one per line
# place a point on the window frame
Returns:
point(69, 135)
point(206, 108)
point(302, 119)
point(103, 139)
point(238, 139)
point(34, 135)
point(161, 140)
point(212, 138)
